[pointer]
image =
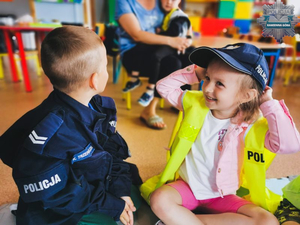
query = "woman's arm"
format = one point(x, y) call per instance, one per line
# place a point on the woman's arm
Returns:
point(190, 34)
point(169, 87)
point(130, 24)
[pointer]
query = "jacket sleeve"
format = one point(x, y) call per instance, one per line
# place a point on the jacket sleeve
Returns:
point(169, 87)
point(120, 184)
point(282, 136)
point(120, 177)
point(58, 187)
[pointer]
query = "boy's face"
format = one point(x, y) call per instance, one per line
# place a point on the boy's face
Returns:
point(168, 5)
point(102, 72)
point(221, 89)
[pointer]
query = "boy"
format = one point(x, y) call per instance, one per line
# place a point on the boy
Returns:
point(66, 155)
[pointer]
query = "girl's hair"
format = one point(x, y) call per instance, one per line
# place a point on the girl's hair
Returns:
point(250, 110)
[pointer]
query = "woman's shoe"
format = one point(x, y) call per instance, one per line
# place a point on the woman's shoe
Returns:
point(130, 85)
point(145, 99)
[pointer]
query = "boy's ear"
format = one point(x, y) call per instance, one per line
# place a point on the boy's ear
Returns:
point(249, 95)
point(93, 82)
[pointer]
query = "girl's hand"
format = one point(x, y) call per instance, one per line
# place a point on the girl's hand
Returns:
point(267, 95)
point(200, 72)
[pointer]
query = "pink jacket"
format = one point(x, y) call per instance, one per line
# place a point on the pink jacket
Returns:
point(282, 136)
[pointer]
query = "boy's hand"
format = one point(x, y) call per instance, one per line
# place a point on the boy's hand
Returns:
point(129, 202)
point(127, 215)
point(267, 95)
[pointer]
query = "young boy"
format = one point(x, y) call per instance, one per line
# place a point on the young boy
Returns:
point(66, 155)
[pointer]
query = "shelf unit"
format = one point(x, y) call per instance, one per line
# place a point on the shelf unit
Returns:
point(223, 14)
point(71, 11)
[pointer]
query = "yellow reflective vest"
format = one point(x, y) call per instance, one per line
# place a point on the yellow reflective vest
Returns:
point(253, 173)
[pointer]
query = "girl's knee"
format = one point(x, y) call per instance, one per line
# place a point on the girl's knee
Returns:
point(258, 215)
point(266, 218)
point(163, 198)
point(157, 199)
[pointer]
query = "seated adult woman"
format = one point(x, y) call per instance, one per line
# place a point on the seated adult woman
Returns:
point(139, 20)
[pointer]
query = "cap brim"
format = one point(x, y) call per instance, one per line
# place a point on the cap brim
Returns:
point(203, 55)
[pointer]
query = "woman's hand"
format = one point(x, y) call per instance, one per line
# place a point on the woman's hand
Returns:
point(179, 43)
point(267, 95)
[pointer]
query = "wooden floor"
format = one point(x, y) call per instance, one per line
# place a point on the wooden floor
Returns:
point(147, 146)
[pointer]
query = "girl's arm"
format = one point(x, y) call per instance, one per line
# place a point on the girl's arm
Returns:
point(282, 136)
point(169, 87)
point(130, 24)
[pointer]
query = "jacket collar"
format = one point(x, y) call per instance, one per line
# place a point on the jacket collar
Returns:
point(82, 112)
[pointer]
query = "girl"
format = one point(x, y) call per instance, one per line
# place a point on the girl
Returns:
point(216, 123)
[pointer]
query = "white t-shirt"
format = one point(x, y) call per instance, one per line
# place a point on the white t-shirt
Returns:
point(200, 165)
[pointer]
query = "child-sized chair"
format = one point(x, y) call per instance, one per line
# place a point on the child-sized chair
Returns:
point(127, 96)
point(30, 55)
point(290, 61)
point(1, 66)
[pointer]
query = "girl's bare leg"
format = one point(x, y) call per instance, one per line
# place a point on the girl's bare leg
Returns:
point(166, 203)
point(247, 215)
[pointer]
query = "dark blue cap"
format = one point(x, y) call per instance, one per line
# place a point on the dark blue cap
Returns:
point(243, 57)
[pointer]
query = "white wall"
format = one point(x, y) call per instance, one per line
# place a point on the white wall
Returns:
point(16, 7)
point(63, 12)
point(296, 4)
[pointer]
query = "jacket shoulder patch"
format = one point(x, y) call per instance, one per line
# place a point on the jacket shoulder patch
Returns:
point(42, 133)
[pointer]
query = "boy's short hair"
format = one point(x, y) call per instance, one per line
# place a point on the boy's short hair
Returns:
point(69, 55)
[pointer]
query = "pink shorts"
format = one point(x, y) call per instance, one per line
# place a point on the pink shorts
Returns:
point(229, 203)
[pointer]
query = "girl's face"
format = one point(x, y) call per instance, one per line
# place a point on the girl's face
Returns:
point(168, 5)
point(221, 88)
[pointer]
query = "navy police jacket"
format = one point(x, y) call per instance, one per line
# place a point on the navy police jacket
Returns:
point(67, 161)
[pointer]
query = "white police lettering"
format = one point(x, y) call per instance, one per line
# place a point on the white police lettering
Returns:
point(261, 73)
point(113, 123)
point(86, 153)
point(232, 47)
point(41, 185)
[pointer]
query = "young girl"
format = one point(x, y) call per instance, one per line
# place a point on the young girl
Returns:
point(212, 136)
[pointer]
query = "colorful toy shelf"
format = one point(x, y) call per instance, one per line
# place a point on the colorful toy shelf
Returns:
point(229, 13)
point(60, 1)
